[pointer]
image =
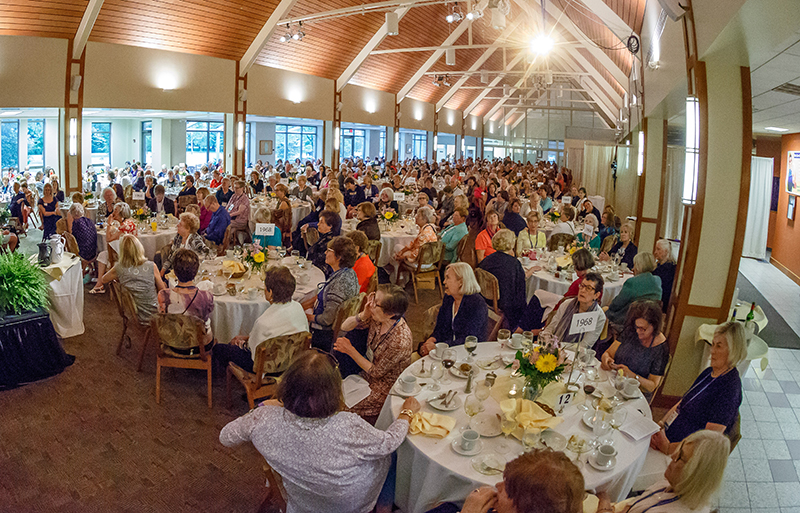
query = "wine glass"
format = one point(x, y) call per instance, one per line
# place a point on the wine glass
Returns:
point(601, 427)
point(588, 390)
point(507, 425)
point(448, 360)
point(436, 374)
point(296, 256)
point(472, 406)
point(470, 344)
point(503, 336)
point(531, 437)
point(617, 418)
point(527, 341)
point(619, 384)
point(482, 391)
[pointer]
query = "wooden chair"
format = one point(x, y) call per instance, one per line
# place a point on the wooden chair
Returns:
point(490, 289)
point(429, 261)
point(608, 243)
point(559, 239)
point(273, 357)
point(310, 237)
point(373, 250)
point(466, 249)
point(128, 194)
point(186, 200)
point(373, 283)
point(182, 331)
point(347, 309)
point(128, 311)
point(462, 247)
point(428, 325)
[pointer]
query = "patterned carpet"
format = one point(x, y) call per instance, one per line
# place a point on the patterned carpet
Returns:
point(93, 439)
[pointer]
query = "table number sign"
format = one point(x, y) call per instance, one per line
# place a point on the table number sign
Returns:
point(399, 196)
point(584, 322)
point(138, 196)
point(265, 229)
point(588, 232)
point(566, 200)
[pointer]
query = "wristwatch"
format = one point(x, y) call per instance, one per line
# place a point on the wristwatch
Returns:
point(407, 412)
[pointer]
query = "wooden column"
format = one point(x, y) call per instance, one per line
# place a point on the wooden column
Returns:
point(71, 166)
point(239, 124)
point(396, 132)
point(650, 201)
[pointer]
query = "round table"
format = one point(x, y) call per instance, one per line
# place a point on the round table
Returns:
point(91, 211)
point(65, 293)
point(152, 242)
point(543, 280)
point(389, 238)
point(300, 209)
point(236, 315)
point(429, 471)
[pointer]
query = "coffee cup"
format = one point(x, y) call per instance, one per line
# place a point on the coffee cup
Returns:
point(469, 439)
point(252, 293)
point(516, 341)
point(526, 260)
point(631, 386)
point(604, 455)
point(407, 383)
point(229, 254)
point(219, 288)
point(441, 347)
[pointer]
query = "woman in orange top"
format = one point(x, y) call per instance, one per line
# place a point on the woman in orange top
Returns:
point(363, 267)
point(483, 243)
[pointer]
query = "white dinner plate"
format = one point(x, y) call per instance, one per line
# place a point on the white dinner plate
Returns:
point(553, 440)
point(493, 363)
point(487, 424)
point(455, 403)
point(489, 464)
point(456, 371)
point(456, 445)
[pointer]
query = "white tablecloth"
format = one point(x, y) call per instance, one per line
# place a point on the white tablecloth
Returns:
point(300, 209)
point(389, 239)
point(152, 242)
point(235, 315)
point(543, 280)
point(66, 297)
point(430, 472)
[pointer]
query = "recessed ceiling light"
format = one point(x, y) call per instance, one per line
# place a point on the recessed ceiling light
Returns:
point(776, 129)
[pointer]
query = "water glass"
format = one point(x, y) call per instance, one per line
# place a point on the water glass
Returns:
point(503, 336)
point(470, 344)
point(507, 425)
point(436, 374)
point(472, 406)
point(601, 427)
point(531, 437)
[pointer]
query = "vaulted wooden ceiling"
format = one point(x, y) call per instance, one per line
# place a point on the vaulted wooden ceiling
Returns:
point(227, 28)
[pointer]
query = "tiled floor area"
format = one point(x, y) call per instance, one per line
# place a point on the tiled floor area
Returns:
point(763, 470)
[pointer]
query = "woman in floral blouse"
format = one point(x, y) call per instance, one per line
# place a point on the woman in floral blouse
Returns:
point(389, 346)
point(425, 219)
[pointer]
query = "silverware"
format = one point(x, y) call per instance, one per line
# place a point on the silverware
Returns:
point(438, 397)
point(487, 467)
point(452, 397)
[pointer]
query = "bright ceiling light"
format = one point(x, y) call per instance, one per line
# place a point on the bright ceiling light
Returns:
point(542, 44)
point(776, 129)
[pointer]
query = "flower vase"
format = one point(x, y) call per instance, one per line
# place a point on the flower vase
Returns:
point(531, 391)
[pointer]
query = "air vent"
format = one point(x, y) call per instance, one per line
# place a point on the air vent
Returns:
point(788, 88)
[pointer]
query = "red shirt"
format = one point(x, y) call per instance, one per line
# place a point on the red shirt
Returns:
point(364, 269)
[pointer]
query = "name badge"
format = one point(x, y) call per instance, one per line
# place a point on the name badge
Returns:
point(265, 229)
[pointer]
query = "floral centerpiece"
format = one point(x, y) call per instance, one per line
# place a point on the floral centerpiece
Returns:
point(255, 256)
point(554, 216)
point(540, 366)
point(407, 191)
point(391, 216)
point(142, 214)
point(88, 196)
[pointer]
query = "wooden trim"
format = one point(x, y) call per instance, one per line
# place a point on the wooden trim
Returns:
point(705, 312)
point(744, 190)
point(665, 401)
point(785, 270)
point(642, 185)
point(647, 220)
point(663, 178)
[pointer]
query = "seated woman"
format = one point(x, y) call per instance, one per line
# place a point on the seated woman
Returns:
point(483, 243)
point(588, 300)
point(588, 208)
point(19, 205)
point(530, 237)
point(368, 221)
point(386, 202)
point(425, 219)
point(594, 242)
point(582, 262)
point(330, 461)
point(205, 214)
point(463, 311)
point(665, 269)
point(625, 249)
point(149, 189)
point(541, 480)
point(510, 276)
point(256, 183)
point(328, 227)
point(691, 480)
point(363, 267)
point(57, 192)
point(119, 224)
point(713, 400)
point(82, 228)
point(188, 188)
point(138, 275)
point(389, 340)
point(512, 220)
point(643, 286)
point(283, 316)
point(341, 285)
point(640, 350)
point(567, 222)
point(186, 298)
point(187, 238)
point(264, 216)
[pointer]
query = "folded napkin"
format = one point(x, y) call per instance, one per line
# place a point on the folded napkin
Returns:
point(529, 415)
point(235, 267)
point(431, 424)
point(564, 261)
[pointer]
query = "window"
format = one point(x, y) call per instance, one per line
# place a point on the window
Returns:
point(352, 143)
point(36, 143)
point(247, 145)
point(205, 141)
point(420, 146)
point(147, 142)
point(101, 144)
point(9, 144)
point(382, 146)
point(295, 142)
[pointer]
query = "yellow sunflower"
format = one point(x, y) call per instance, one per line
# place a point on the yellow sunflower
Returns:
point(387, 216)
point(546, 363)
point(258, 257)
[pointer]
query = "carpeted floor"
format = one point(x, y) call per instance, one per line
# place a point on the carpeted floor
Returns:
point(777, 333)
point(93, 439)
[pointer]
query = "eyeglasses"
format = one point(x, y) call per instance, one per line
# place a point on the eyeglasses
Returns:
point(587, 287)
point(330, 356)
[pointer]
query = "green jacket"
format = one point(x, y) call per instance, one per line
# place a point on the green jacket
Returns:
point(643, 286)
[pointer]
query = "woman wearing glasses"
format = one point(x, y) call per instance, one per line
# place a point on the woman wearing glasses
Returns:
point(641, 351)
point(587, 300)
point(329, 460)
point(389, 346)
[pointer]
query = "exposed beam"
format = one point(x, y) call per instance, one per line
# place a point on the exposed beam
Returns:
point(594, 92)
point(513, 90)
point(452, 38)
point(360, 10)
point(506, 73)
point(610, 19)
point(594, 74)
point(496, 80)
point(373, 43)
point(530, 94)
point(258, 44)
point(85, 27)
point(454, 47)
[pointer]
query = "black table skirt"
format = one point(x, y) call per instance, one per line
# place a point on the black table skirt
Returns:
point(30, 350)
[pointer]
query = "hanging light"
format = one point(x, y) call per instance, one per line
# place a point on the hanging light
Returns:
point(542, 44)
point(299, 35)
point(288, 36)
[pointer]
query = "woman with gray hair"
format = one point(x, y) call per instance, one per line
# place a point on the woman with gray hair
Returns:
point(714, 398)
point(425, 219)
point(594, 241)
point(119, 224)
point(510, 276)
point(643, 286)
point(106, 206)
point(665, 269)
point(82, 228)
point(463, 312)
point(691, 481)
point(187, 238)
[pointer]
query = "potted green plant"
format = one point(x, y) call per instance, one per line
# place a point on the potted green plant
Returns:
point(23, 286)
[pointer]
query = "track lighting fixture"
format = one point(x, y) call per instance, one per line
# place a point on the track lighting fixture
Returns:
point(293, 36)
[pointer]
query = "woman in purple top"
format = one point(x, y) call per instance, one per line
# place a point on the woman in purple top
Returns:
point(713, 400)
point(82, 228)
point(185, 298)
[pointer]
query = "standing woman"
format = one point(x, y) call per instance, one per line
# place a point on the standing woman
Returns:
point(389, 340)
point(282, 215)
point(49, 211)
point(57, 192)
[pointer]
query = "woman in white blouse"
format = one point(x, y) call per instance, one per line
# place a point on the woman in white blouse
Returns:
point(330, 461)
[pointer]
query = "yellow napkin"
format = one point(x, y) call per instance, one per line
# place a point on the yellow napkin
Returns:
point(564, 261)
point(529, 415)
point(235, 267)
point(431, 424)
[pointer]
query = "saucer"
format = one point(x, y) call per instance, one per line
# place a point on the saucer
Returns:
point(610, 466)
point(433, 355)
point(489, 464)
point(487, 425)
point(456, 445)
point(398, 391)
point(635, 395)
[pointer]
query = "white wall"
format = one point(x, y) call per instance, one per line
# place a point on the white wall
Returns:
point(32, 71)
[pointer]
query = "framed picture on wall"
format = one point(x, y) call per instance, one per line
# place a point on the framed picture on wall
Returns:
point(790, 209)
point(265, 147)
point(792, 172)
